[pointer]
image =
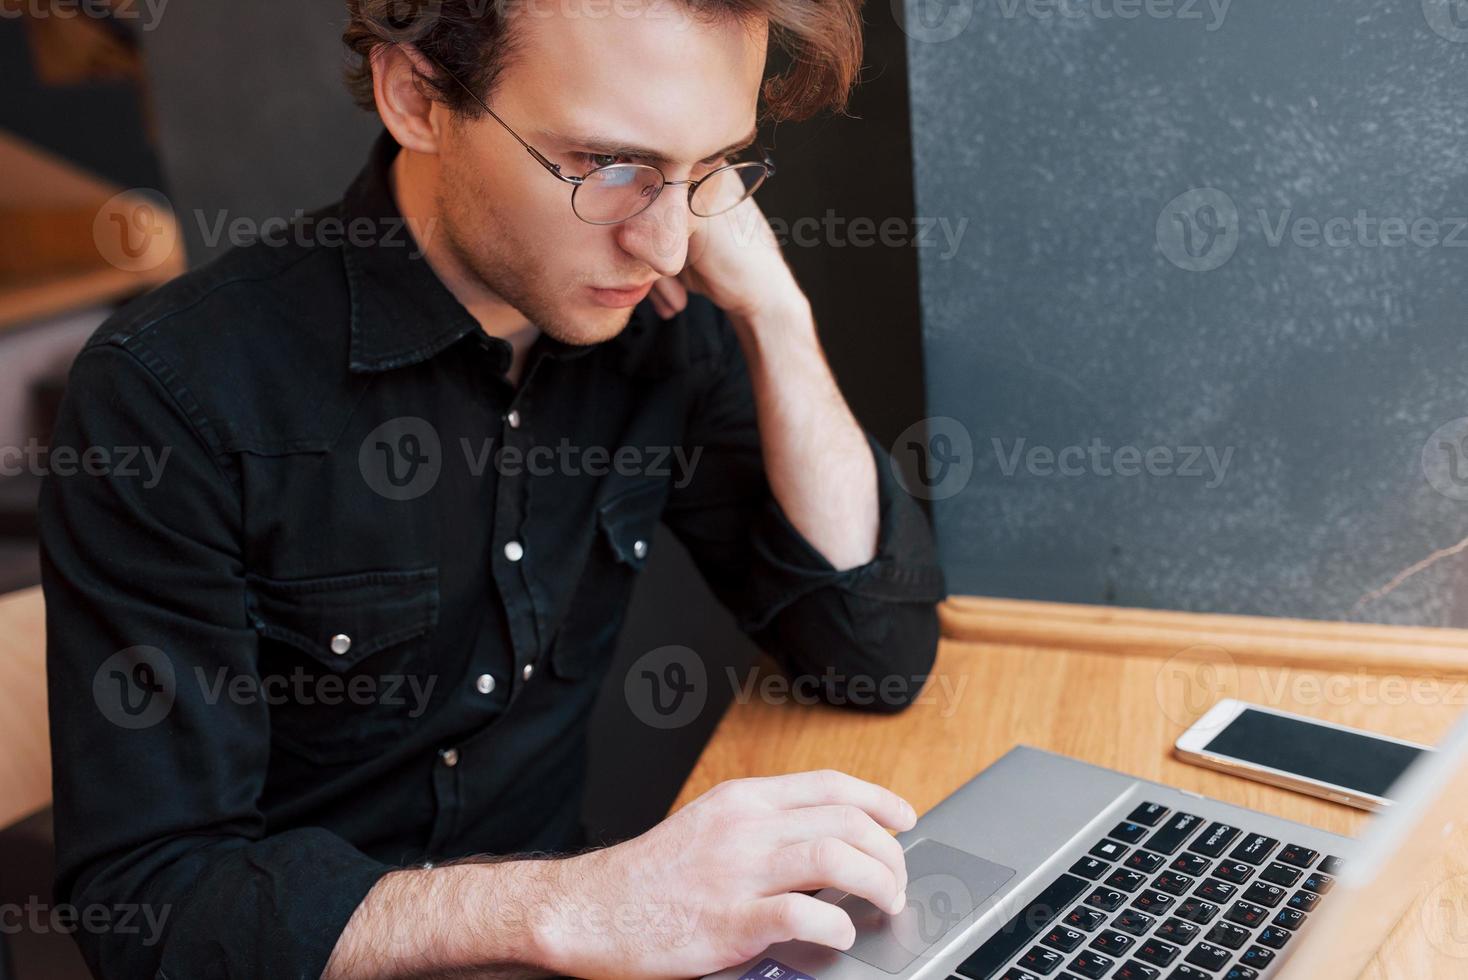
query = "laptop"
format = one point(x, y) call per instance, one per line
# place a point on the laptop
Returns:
point(1043, 867)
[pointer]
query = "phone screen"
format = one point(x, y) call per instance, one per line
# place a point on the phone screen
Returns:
point(1329, 755)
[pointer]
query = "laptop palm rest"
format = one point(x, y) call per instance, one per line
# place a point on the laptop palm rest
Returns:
point(944, 886)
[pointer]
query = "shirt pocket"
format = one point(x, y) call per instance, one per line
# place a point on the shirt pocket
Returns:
point(622, 542)
point(344, 659)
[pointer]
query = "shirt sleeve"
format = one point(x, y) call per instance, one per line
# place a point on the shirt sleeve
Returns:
point(157, 777)
point(866, 635)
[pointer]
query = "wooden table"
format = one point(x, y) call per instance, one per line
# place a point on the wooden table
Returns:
point(25, 741)
point(1115, 688)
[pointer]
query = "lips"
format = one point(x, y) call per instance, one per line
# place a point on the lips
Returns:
point(620, 296)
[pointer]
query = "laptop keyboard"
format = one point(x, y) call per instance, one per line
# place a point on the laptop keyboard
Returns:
point(1166, 895)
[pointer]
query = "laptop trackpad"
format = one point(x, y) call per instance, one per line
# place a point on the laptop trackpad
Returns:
point(944, 885)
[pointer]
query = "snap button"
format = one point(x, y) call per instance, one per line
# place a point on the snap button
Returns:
point(528, 670)
point(484, 683)
point(340, 644)
point(513, 418)
point(639, 548)
point(514, 550)
point(450, 757)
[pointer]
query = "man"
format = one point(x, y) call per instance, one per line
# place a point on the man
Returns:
point(345, 646)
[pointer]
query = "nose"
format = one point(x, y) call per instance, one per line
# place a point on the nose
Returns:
point(659, 235)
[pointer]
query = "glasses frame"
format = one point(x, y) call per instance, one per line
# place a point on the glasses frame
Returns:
point(554, 169)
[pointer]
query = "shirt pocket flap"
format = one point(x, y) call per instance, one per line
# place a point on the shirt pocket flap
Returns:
point(628, 520)
point(340, 620)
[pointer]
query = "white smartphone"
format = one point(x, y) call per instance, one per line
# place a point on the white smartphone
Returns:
point(1315, 757)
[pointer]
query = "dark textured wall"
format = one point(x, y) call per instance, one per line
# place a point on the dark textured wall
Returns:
point(1150, 262)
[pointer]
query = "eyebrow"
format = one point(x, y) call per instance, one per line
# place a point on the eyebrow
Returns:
point(610, 146)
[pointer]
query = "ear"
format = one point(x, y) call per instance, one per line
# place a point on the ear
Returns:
point(403, 102)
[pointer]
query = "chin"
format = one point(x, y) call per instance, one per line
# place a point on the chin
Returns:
point(589, 325)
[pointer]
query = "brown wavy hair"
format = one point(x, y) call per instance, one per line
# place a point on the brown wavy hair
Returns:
point(475, 41)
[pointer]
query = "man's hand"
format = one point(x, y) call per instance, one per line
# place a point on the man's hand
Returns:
point(734, 259)
point(720, 880)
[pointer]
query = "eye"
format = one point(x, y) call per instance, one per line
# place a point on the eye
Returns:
point(592, 161)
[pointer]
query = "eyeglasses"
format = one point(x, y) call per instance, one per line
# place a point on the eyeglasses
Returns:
point(612, 194)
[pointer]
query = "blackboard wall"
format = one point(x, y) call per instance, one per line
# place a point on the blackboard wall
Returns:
point(1210, 309)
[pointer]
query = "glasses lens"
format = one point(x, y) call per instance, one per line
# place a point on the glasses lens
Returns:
point(616, 193)
point(725, 188)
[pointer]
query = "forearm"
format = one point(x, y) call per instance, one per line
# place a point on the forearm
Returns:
point(477, 918)
point(817, 460)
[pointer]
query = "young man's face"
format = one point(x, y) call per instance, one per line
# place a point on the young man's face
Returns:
point(647, 76)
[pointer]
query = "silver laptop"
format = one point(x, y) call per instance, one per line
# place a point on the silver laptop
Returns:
point(1045, 867)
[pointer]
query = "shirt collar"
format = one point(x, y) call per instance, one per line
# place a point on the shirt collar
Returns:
point(402, 313)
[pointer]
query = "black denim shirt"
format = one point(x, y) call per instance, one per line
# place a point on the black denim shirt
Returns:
point(334, 633)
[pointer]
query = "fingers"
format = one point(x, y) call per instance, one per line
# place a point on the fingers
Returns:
point(781, 918)
point(668, 297)
point(827, 787)
point(829, 862)
point(848, 823)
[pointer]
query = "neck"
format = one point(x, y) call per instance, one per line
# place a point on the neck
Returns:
point(413, 179)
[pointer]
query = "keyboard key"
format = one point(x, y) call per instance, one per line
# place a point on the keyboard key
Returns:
point(1246, 914)
point(1105, 899)
point(1084, 918)
point(1290, 919)
point(1015, 973)
point(1112, 943)
point(1174, 833)
point(1156, 952)
point(1298, 855)
point(1254, 849)
point(1127, 881)
point(1235, 871)
point(1064, 939)
point(1148, 813)
point(1109, 850)
point(1213, 840)
point(1240, 973)
point(1317, 882)
point(1331, 865)
point(1216, 891)
point(1023, 927)
point(1189, 864)
point(1153, 902)
point(1089, 867)
point(1208, 956)
point(1177, 931)
point(1090, 964)
point(1257, 957)
point(1280, 874)
point(1227, 934)
point(1043, 961)
point(1185, 972)
point(1133, 921)
point(1128, 831)
point(1304, 901)
point(1197, 910)
point(1274, 938)
point(1172, 883)
point(1144, 861)
point(1133, 970)
point(1263, 893)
